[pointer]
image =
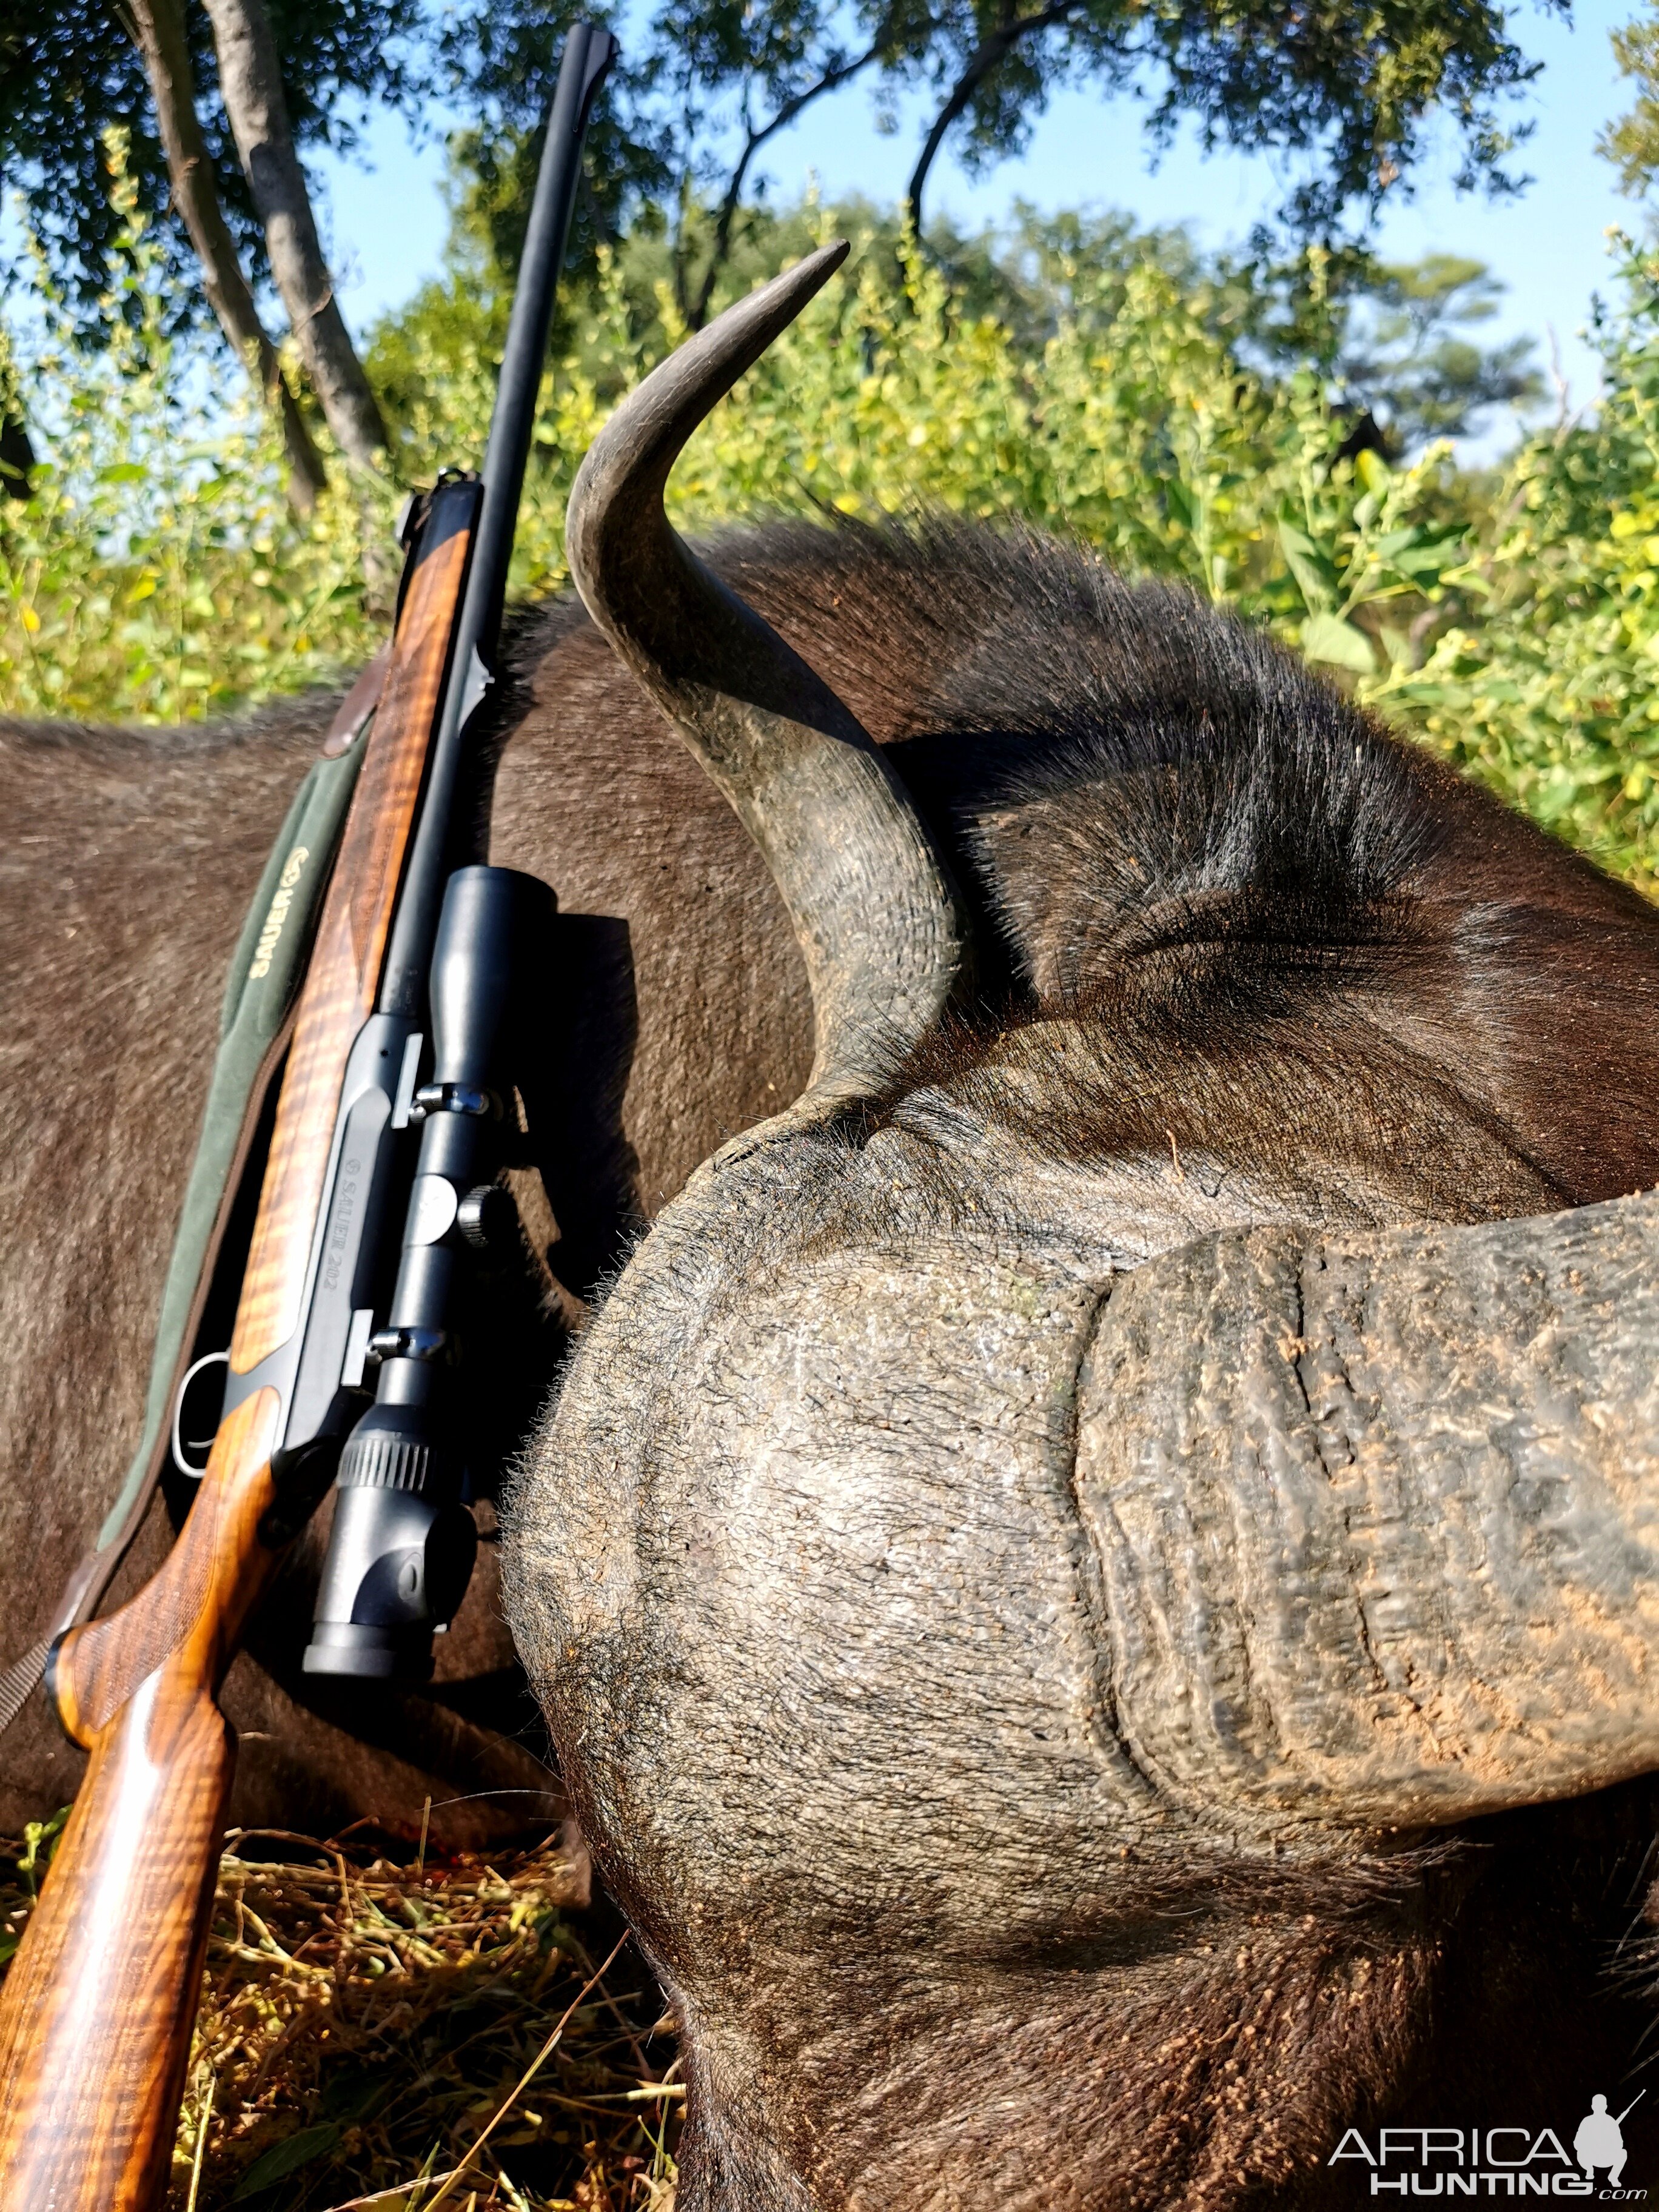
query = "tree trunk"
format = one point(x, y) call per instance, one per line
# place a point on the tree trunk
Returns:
point(161, 28)
point(251, 86)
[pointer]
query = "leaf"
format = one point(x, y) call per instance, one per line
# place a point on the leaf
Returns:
point(1312, 567)
point(40, 1840)
point(354, 2096)
point(1373, 473)
point(286, 2157)
point(1327, 637)
point(1427, 560)
point(1468, 579)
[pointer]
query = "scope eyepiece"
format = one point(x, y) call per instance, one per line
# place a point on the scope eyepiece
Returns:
point(401, 1553)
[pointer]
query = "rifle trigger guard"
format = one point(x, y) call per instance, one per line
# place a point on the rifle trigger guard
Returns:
point(200, 1367)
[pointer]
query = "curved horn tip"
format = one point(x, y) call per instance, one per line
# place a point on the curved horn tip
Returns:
point(872, 904)
point(789, 290)
point(719, 355)
point(619, 483)
point(821, 264)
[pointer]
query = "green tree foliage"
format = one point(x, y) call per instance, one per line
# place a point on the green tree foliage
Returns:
point(1549, 688)
point(69, 72)
point(154, 573)
point(1075, 377)
point(1391, 340)
point(1388, 338)
point(704, 86)
point(1405, 354)
point(157, 570)
point(1631, 142)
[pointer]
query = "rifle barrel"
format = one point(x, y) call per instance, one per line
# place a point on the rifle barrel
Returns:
point(588, 54)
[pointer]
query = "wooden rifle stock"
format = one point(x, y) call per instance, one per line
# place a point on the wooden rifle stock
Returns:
point(97, 2012)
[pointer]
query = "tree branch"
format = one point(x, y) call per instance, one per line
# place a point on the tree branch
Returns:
point(831, 80)
point(986, 57)
point(159, 25)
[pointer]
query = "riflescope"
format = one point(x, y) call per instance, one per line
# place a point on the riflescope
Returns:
point(402, 1543)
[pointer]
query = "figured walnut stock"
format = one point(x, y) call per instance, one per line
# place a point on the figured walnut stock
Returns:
point(94, 2025)
point(96, 2014)
point(345, 963)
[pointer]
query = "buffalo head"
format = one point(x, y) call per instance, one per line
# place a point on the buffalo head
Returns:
point(1051, 1540)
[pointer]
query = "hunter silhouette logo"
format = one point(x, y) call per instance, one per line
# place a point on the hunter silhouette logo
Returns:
point(1512, 2161)
point(1599, 2141)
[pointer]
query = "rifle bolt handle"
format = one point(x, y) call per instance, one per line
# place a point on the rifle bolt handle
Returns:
point(407, 1343)
point(454, 1098)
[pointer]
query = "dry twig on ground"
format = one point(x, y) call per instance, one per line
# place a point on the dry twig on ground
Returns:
point(369, 2032)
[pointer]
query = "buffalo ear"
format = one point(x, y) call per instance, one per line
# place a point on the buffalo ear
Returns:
point(874, 909)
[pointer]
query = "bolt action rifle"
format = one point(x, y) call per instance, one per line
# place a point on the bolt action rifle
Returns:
point(96, 2015)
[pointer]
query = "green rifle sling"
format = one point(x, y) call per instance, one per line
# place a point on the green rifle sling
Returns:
point(265, 973)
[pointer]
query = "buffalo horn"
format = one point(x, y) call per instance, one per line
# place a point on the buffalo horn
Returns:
point(1379, 1517)
point(870, 902)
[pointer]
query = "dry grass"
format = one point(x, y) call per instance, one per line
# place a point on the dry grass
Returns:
point(396, 2035)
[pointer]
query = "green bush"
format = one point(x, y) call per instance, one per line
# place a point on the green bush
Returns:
point(1549, 689)
point(1510, 622)
point(156, 572)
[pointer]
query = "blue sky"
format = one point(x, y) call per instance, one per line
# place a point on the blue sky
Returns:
point(1549, 247)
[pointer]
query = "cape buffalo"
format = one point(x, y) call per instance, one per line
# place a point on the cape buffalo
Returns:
point(1084, 1573)
point(1081, 1568)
